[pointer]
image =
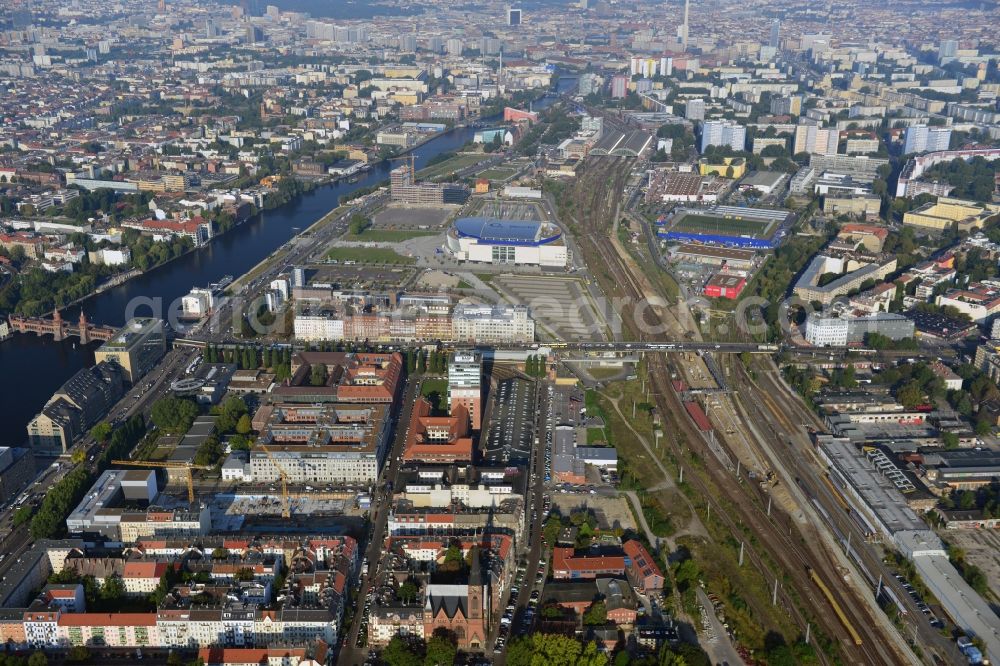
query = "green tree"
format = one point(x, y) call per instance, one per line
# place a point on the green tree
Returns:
point(950, 440)
point(244, 574)
point(112, 591)
point(23, 515)
point(440, 651)
point(596, 614)
point(398, 653)
point(38, 658)
point(174, 415)
point(101, 432)
point(78, 654)
point(408, 592)
point(244, 426)
point(317, 375)
point(358, 224)
point(910, 395)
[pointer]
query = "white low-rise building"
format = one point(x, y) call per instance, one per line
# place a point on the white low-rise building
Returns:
point(492, 323)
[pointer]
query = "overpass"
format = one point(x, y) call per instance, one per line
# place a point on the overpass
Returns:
point(623, 347)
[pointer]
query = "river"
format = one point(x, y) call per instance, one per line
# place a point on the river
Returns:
point(33, 367)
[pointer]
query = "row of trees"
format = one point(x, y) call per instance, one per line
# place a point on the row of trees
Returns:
point(250, 357)
point(50, 520)
point(419, 362)
point(534, 366)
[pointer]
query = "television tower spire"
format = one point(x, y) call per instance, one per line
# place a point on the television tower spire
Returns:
point(684, 30)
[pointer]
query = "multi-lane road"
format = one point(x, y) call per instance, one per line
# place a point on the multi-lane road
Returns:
point(350, 652)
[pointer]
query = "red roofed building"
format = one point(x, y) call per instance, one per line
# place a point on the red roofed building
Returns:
point(198, 229)
point(567, 564)
point(273, 656)
point(111, 629)
point(142, 577)
point(872, 236)
point(438, 439)
point(511, 115)
point(356, 378)
point(643, 572)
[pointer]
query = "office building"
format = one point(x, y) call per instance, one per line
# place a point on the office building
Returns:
point(513, 16)
point(465, 373)
point(694, 109)
point(619, 86)
point(860, 168)
point(492, 323)
point(853, 270)
point(946, 213)
point(924, 139)
point(775, 37)
point(723, 133)
point(320, 443)
point(137, 347)
point(589, 84)
point(121, 506)
point(948, 49)
point(454, 47)
point(78, 404)
point(17, 469)
point(839, 331)
point(404, 188)
point(816, 140)
point(786, 106)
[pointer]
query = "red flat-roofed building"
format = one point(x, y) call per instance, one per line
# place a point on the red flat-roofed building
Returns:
point(725, 285)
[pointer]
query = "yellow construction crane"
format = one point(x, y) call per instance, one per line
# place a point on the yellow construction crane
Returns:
point(286, 502)
point(167, 465)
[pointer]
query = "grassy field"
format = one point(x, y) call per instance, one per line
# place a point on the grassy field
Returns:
point(708, 224)
point(386, 235)
point(436, 390)
point(496, 174)
point(604, 373)
point(368, 255)
point(445, 168)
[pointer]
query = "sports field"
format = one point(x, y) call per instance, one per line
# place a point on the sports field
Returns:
point(710, 224)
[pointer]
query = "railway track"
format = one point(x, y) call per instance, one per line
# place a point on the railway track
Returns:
point(835, 609)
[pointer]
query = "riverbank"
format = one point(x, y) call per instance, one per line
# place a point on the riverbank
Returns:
point(237, 252)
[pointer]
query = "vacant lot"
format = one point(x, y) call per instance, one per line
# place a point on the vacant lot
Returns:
point(709, 224)
point(368, 255)
point(611, 512)
point(387, 235)
point(445, 168)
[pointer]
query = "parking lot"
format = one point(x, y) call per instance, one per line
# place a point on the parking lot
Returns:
point(374, 278)
point(559, 305)
point(412, 217)
point(512, 424)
